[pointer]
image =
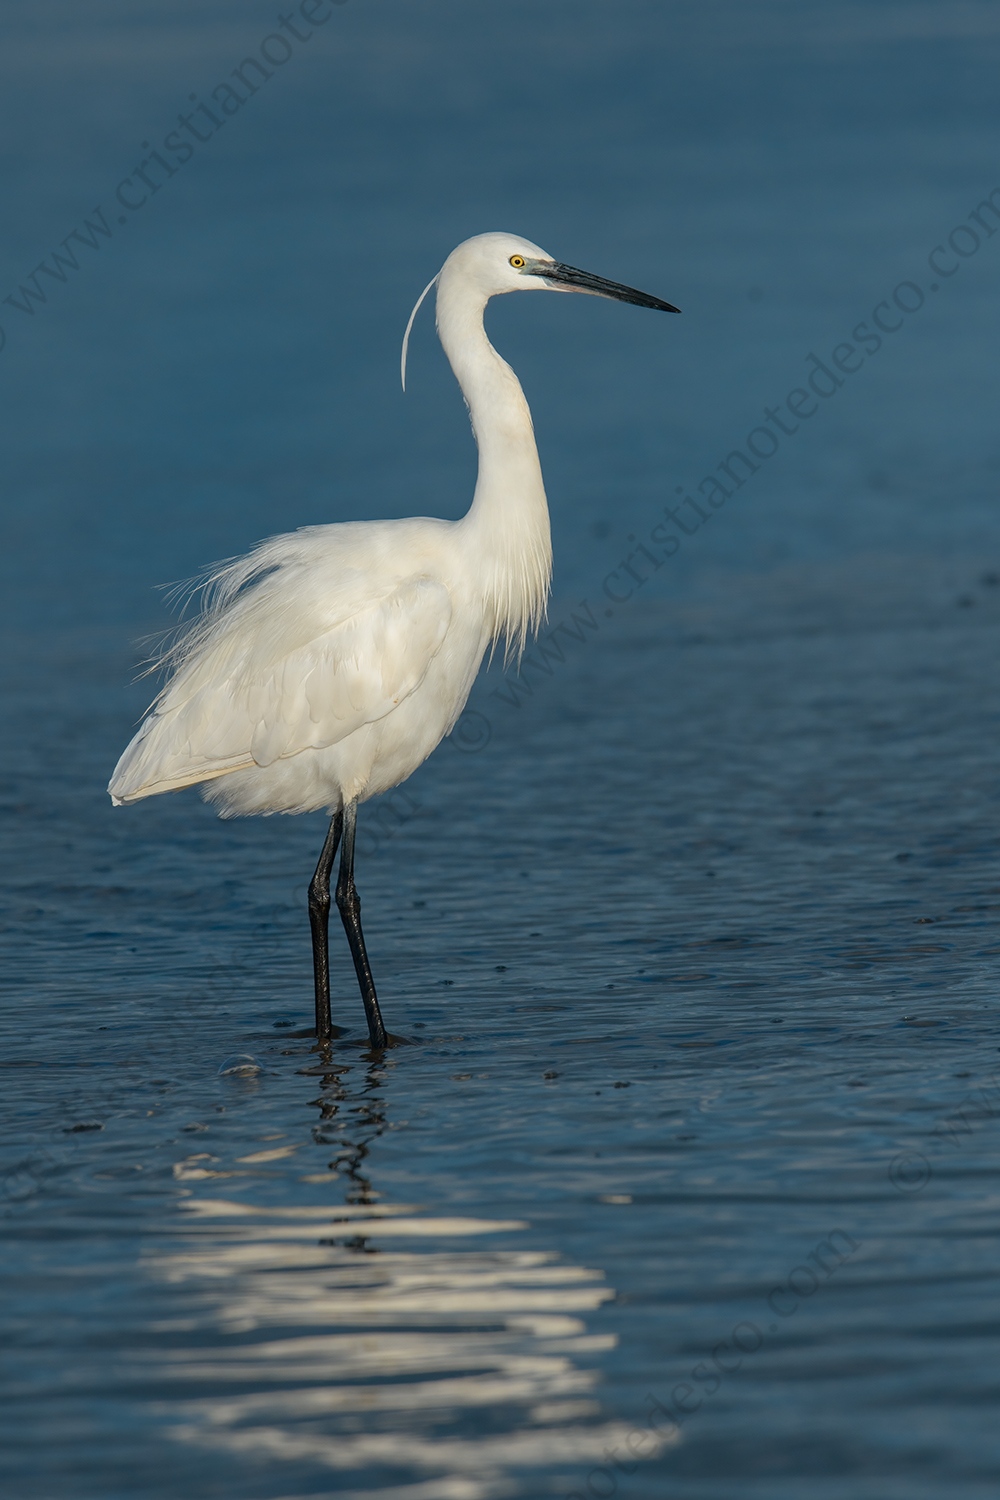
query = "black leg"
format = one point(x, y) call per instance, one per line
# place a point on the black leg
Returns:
point(349, 905)
point(319, 921)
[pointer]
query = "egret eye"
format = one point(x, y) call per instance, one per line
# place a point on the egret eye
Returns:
point(517, 261)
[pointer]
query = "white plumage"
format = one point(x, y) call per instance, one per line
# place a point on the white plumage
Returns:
point(329, 663)
point(286, 684)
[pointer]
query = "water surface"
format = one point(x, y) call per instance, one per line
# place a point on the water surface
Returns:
point(691, 1153)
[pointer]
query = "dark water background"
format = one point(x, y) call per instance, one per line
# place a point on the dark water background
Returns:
point(696, 943)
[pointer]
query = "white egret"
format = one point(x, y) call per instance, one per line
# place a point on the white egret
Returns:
point(328, 663)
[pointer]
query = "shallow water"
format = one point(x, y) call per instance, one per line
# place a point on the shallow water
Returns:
point(697, 958)
point(689, 1151)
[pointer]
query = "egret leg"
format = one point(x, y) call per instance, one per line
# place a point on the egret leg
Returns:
point(319, 921)
point(349, 906)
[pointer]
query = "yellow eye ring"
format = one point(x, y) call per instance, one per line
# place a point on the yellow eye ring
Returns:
point(517, 261)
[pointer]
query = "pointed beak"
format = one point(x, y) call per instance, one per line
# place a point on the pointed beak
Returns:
point(569, 279)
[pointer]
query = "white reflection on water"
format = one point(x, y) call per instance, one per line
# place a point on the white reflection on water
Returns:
point(427, 1372)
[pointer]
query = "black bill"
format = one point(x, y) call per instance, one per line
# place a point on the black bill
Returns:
point(597, 286)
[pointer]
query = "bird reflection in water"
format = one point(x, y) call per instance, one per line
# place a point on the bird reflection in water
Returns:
point(354, 1138)
point(415, 1355)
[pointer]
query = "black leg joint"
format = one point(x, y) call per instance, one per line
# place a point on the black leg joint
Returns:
point(348, 902)
point(319, 899)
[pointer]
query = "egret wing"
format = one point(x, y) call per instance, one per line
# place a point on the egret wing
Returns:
point(236, 703)
point(355, 674)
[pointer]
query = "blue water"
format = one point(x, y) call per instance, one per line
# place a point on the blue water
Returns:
point(686, 1183)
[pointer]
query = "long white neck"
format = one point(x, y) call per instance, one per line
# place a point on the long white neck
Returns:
point(509, 517)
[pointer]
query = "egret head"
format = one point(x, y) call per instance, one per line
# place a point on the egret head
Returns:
point(498, 263)
point(488, 265)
